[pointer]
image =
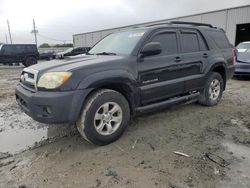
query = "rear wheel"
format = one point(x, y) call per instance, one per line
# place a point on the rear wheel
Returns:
point(104, 117)
point(212, 93)
point(30, 61)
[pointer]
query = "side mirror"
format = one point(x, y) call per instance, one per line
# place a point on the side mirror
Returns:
point(151, 48)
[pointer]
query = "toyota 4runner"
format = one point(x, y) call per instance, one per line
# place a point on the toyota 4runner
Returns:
point(127, 73)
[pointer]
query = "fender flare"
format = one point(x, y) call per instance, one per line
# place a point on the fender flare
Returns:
point(217, 62)
point(109, 77)
point(100, 79)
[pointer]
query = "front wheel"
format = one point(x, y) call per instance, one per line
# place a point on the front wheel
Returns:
point(30, 61)
point(104, 117)
point(212, 93)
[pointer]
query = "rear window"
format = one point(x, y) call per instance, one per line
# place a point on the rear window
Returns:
point(244, 46)
point(190, 42)
point(219, 38)
point(30, 48)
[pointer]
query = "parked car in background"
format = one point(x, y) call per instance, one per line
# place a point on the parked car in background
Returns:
point(72, 52)
point(27, 54)
point(242, 64)
point(47, 55)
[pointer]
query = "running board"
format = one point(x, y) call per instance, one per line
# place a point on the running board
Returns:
point(169, 102)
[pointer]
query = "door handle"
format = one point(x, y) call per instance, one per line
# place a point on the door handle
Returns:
point(177, 59)
point(205, 55)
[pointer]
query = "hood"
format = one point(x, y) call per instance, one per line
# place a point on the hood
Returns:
point(75, 62)
point(243, 57)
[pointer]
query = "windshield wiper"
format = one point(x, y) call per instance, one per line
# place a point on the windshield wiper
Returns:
point(106, 53)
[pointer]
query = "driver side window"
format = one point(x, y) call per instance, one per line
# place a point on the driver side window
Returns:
point(168, 42)
point(8, 50)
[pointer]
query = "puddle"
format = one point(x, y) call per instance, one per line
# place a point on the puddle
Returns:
point(239, 172)
point(13, 141)
point(17, 140)
point(19, 132)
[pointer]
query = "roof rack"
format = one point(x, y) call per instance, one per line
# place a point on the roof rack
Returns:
point(191, 23)
point(181, 23)
point(163, 23)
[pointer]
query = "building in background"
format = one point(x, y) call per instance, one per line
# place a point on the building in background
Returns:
point(235, 21)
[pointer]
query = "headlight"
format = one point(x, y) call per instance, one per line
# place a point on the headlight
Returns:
point(53, 80)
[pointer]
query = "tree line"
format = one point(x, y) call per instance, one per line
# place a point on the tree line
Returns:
point(46, 45)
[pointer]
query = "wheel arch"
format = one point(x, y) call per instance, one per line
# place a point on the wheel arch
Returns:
point(219, 67)
point(119, 81)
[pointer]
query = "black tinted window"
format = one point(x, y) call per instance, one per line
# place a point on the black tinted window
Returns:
point(219, 38)
point(30, 48)
point(168, 42)
point(190, 42)
point(8, 50)
point(20, 49)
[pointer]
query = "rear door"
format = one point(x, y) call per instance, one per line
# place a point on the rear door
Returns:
point(194, 56)
point(20, 53)
point(160, 76)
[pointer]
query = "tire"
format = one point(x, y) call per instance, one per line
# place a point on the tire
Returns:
point(30, 61)
point(212, 93)
point(49, 58)
point(104, 117)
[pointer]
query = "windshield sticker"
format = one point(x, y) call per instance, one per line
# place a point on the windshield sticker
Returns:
point(132, 35)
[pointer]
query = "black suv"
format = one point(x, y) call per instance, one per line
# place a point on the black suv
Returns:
point(27, 54)
point(127, 73)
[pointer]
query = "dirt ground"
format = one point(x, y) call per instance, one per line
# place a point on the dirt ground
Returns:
point(56, 155)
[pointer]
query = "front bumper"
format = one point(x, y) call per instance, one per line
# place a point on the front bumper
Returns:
point(51, 107)
point(242, 69)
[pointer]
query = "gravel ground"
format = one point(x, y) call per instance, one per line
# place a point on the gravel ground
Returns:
point(56, 155)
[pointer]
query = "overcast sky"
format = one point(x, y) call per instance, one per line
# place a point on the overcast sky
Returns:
point(60, 19)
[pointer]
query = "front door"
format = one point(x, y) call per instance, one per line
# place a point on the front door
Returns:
point(160, 76)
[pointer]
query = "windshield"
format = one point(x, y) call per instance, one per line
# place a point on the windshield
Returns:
point(0, 46)
point(118, 43)
point(242, 47)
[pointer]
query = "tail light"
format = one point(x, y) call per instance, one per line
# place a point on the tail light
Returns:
point(234, 55)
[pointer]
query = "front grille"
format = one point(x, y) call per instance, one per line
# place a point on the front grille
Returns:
point(28, 79)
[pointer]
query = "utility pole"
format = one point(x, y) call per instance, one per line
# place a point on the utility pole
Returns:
point(34, 31)
point(6, 38)
point(9, 31)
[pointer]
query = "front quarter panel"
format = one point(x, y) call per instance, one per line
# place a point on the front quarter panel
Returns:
point(100, 79)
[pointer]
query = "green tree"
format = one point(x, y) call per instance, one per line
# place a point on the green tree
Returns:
point(44, 45)
point(64, 45)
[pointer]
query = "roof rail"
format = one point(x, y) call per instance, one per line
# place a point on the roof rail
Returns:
point(191, 23)
point(163, 23)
